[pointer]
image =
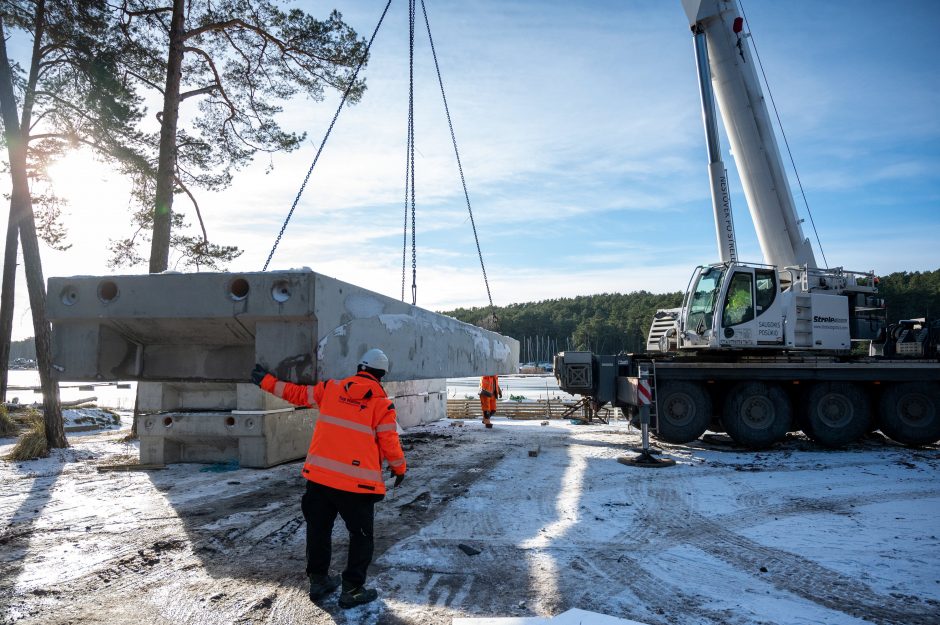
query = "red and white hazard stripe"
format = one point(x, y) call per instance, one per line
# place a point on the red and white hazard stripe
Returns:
point(643, 392)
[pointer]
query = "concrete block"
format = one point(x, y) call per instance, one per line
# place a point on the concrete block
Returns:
point(170, 396)
point(256, 439)
point(300, 325)
point(240, 422)
point(250, 397)
point(418, 401)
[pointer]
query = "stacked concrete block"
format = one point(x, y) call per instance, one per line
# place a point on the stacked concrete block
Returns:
point(219, 422)
point(418, 401)
point(257, 439)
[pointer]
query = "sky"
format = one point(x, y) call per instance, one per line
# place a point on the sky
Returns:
point(581, 141)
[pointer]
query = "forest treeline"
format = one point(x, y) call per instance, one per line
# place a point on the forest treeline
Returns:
point(614, 322)
point(23, 349)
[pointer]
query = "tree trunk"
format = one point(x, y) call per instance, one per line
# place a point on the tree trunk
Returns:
point(7, 300)
point(22, 208)
point(166, 163)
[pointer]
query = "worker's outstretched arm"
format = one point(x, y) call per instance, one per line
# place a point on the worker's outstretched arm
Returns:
point(386, 432)
point(297, 394)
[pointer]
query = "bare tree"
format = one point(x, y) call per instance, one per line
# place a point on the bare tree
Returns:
point(69, 96)
point(23, 221)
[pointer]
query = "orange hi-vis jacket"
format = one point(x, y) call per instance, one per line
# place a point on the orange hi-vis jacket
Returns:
point(356, 429)
point(489, 390)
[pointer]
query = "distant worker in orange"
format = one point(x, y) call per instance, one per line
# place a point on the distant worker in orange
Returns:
point(489, 393)
point(355, 431)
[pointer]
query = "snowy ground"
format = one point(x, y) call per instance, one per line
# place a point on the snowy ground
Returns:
point(796, 535)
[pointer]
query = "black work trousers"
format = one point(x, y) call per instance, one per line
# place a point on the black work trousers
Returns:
point(320, 505)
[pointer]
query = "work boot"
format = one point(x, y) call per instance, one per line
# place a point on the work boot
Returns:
point(353, 596)
point(322, 585)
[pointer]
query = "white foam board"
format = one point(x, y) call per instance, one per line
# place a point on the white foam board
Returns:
point(576, 616)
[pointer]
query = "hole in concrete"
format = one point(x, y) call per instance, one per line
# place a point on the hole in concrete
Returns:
point(107, 291)
point(167, 421)
point(281, 291)
point(69, 295)
point(148, 423)
point(249, 423)
point(238, 289)
point(230, 422)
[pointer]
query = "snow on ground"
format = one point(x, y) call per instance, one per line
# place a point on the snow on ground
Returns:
point(795, 535)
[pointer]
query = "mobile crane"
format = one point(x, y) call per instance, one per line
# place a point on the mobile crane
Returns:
point(761, 349)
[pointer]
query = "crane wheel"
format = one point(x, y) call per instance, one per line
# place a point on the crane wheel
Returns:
point(757, 414)
point(837, 413)
point(910, 413)
point(684, 410)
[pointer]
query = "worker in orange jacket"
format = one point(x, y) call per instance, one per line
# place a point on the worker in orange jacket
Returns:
point(489, 393)
point(355, 431)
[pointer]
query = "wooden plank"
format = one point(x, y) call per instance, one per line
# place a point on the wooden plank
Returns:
point(102, 468)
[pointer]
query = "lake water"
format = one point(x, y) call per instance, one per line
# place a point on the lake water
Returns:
point(121, 395)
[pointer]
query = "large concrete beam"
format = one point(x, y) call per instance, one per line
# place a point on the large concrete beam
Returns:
point(301, 325)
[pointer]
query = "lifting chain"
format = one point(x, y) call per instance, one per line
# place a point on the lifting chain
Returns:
point(410, 166)
point(494, 320)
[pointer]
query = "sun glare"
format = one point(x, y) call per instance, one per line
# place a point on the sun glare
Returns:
point(77, 173)
point(95, 210)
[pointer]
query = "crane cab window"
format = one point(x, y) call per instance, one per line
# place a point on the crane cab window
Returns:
point(702, 304)
point(739, 303)
point(766, 289)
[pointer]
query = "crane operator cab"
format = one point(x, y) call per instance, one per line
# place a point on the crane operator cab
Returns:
point(752, 306)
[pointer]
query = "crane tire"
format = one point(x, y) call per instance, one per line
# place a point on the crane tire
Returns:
point(837, 413)
point(757, 414)
point(910, 413)
point(684, 410)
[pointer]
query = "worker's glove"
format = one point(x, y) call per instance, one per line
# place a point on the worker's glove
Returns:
point(257, 374)
point(499, 395)
point(398, 478)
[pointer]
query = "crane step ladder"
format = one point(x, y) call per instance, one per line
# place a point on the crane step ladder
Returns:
point(803, 333)
point(654, 403)
point(645, 384)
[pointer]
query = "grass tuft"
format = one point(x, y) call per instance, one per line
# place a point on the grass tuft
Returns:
point(8, 426)
point(32, 443)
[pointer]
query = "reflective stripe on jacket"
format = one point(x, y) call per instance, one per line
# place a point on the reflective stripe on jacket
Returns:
point(489, 390)
point(355, 431)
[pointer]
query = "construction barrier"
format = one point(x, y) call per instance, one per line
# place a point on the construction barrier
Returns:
point(541, 409)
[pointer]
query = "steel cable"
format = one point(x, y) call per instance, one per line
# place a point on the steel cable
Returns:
point(342, 102)
point(463, 181)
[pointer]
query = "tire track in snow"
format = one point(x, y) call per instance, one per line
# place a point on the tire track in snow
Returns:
point(793, 573)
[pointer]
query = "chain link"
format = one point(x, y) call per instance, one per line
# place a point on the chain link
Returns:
point(404, 236)
point(412, 10)
point(352, 82)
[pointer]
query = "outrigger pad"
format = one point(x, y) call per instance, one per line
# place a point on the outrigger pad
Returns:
point(647, 461)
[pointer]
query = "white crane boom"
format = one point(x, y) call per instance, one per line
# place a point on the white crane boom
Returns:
point(717, 27)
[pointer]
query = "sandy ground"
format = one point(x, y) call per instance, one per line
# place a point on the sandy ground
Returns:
point(795, 535)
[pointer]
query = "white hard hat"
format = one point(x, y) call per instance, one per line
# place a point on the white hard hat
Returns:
point(375, 359)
